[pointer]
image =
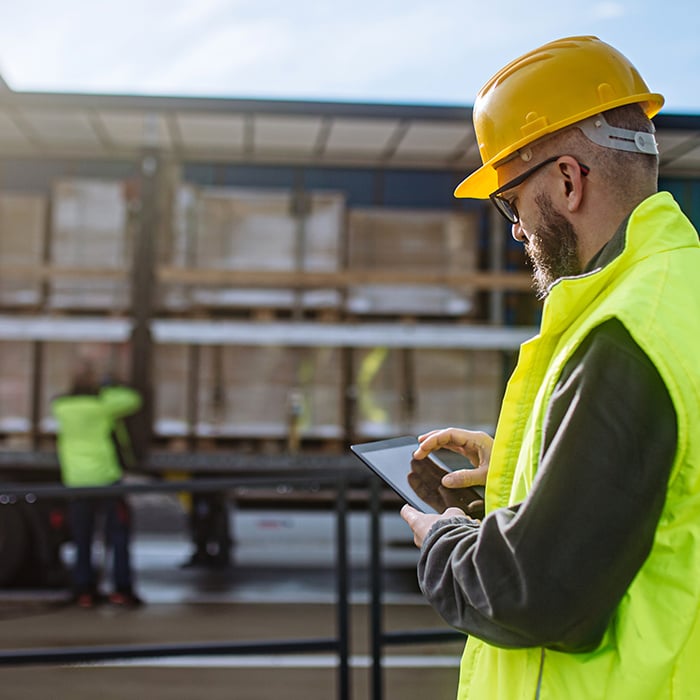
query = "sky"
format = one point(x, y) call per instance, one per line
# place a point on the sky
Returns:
point(436, 52)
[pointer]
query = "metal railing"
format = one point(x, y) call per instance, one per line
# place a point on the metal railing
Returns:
point(379, 637)
point(339, 644)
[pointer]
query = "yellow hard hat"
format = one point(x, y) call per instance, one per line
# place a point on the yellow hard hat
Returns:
point(545, 90)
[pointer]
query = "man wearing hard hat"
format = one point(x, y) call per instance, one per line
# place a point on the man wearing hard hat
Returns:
point(583, 578)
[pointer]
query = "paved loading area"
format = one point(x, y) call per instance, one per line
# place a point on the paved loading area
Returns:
point(411, 672)
point(245, 603)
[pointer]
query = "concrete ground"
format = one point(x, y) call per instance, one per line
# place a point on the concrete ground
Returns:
point(248, 602)
point(415, 672)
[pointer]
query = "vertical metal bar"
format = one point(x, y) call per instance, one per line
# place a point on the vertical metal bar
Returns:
point(218, 389)
point(46, 285)
point(408, 405)
point(142, 292)
point(37, 379)
point(343, 577)
point(38, 346)
point(192, 396)
point(496, 238)
point(349, 393)
point(300, 204)
point(376, 631)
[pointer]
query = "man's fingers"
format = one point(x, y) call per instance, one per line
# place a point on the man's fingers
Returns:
point(476, 510)
point(431, 441)
point(409, 514)
point(413, 517)
point(474, 445)
point(465, 477)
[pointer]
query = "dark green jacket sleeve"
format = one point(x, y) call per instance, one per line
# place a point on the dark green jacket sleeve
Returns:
point(551, 570)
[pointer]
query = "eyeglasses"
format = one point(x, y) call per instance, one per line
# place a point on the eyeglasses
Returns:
point(506, 207)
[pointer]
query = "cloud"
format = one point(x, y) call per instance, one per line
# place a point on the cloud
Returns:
point(385, 50)
point(234, 54)
point(608, 10)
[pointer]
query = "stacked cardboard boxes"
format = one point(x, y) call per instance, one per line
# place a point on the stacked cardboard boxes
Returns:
point(255, 391)
point(411, 391)
point(16, 384)
point(247, 229)
point(246, 391)
point(457, 387)
point(22, 227)
point(89, 231)
point(59, 361)
point(381, 239)
point(170, 401)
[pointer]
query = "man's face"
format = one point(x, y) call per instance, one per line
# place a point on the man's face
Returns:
point(551, 247)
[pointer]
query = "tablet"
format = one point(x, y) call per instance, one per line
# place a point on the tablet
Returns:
point(417, 481)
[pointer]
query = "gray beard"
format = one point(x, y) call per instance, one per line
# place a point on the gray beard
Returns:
point(552, 249)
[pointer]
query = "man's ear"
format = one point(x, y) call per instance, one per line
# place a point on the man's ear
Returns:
point(572, 182)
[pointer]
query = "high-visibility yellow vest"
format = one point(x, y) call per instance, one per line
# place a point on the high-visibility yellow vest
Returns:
point(86, 449)
point(651, 649)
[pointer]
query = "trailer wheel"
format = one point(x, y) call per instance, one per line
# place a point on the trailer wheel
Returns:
point(13, 542)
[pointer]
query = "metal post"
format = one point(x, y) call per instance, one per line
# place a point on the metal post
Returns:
point(377, 680)
point(142, 292)
point(36, 392)
point(192, 397)
point(300, 205)
point(497, 236)
point(343, 577)
point(349, 393)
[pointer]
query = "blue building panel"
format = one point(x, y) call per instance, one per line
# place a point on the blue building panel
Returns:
point(363, 187)
point(358, 184)
point(235, 175)
point(687, 194)
point(418, 189)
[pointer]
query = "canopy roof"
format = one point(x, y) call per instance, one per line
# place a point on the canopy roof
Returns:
point(270, 131)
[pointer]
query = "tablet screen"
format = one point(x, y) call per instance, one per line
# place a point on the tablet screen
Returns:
point(417, 481)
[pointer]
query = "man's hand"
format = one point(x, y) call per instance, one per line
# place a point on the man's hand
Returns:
point(474, 445)
point(420, 523)
point(426, 479)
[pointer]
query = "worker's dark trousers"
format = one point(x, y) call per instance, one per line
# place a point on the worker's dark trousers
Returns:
point(209, 525)
point(84, 514)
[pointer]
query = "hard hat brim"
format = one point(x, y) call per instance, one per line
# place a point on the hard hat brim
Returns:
point(479, 184)
point(483, 181)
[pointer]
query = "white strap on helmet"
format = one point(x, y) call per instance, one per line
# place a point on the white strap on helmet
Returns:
point(597, 129)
